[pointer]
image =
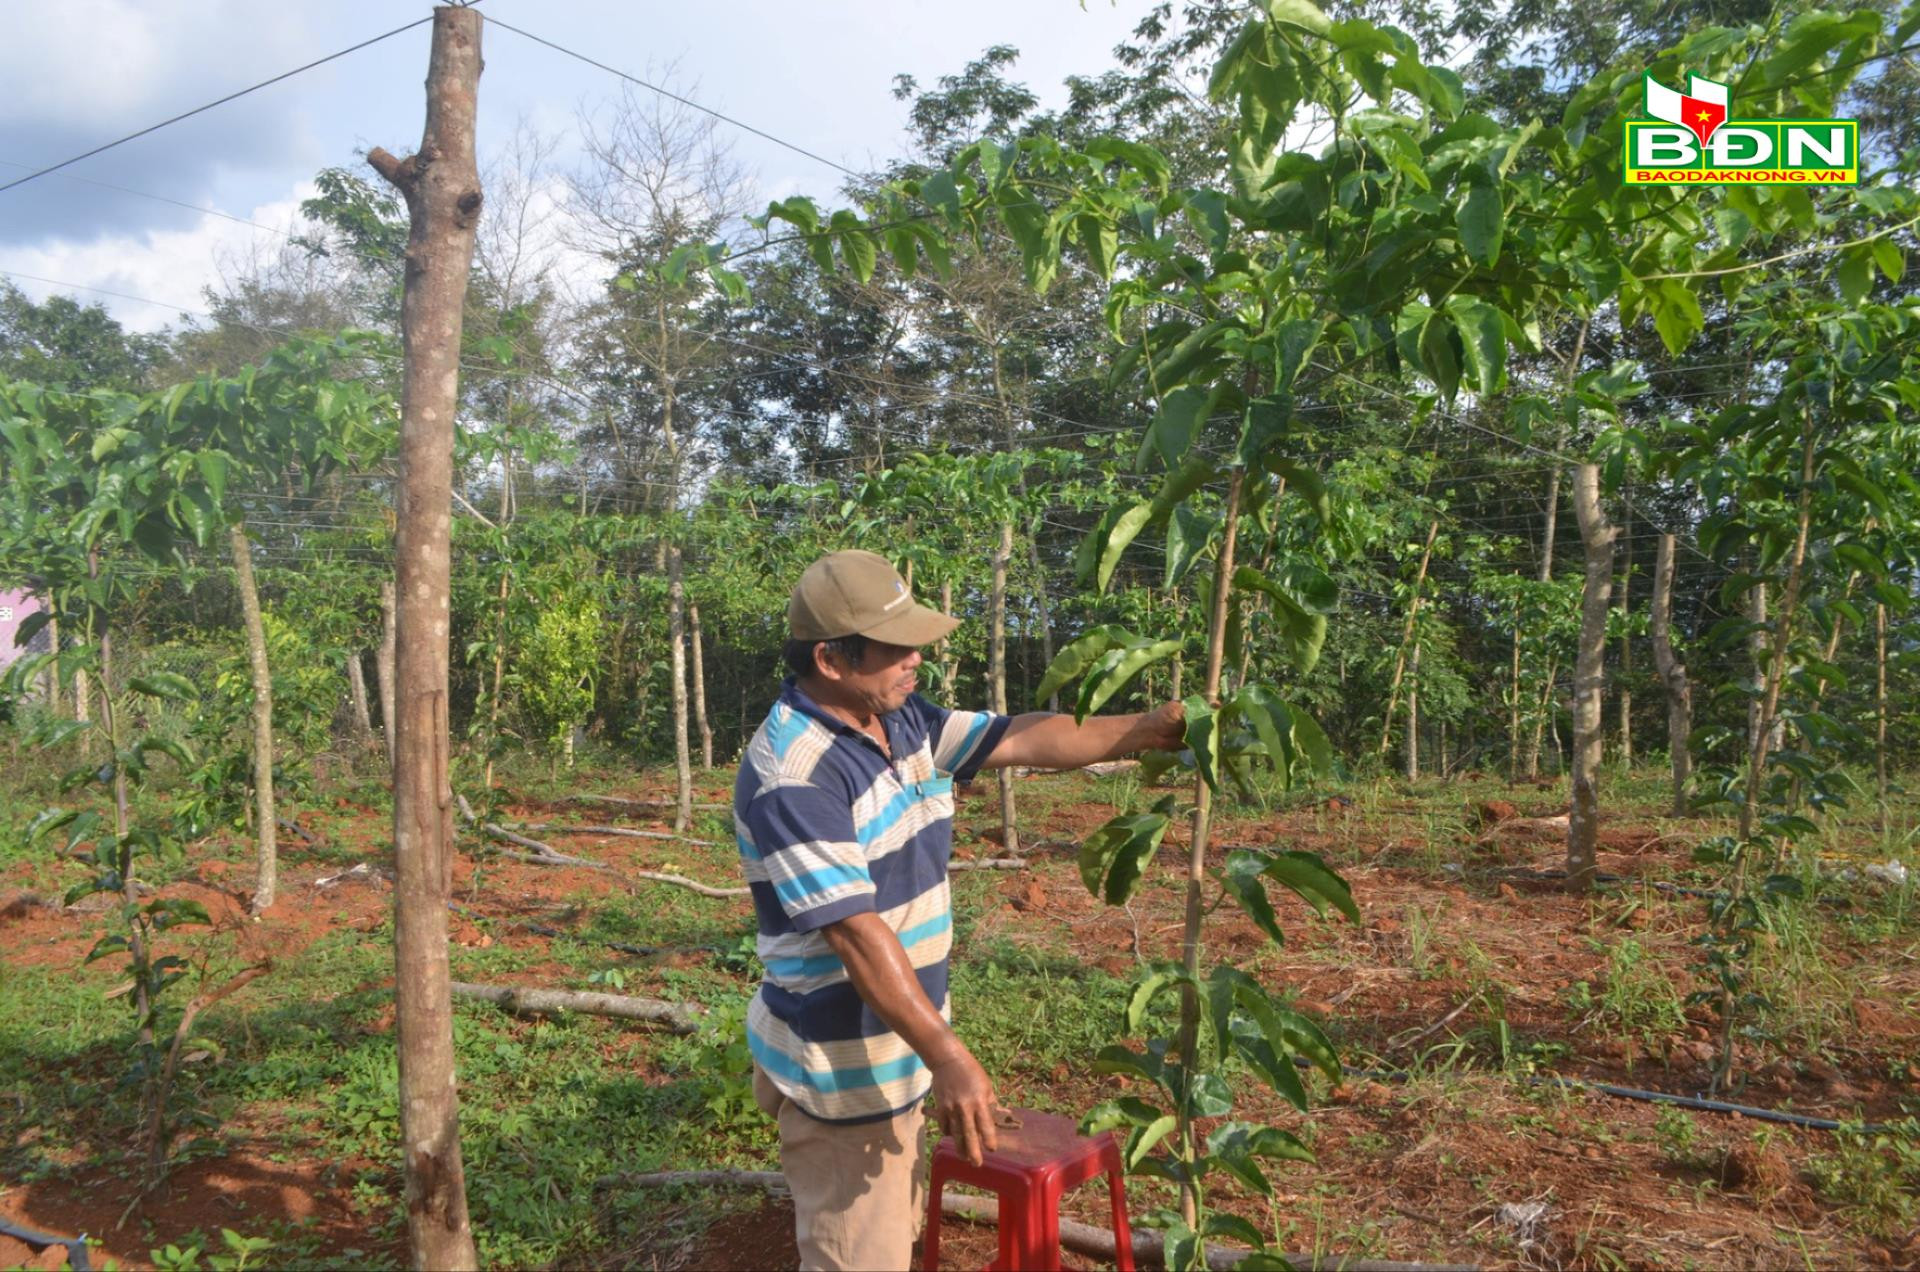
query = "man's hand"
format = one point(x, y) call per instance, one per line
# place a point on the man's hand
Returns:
point(1165, 727)
point(965, 1104)
point(1040, 739)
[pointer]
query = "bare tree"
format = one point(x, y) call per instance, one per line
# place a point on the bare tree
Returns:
point(441, 185)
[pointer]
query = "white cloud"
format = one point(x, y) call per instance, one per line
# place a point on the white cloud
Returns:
point(167, 270)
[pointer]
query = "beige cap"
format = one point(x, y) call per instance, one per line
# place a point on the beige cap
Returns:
point(857, 593)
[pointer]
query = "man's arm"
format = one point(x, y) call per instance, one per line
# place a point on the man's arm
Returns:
point(1041, 739)
point(881, 973)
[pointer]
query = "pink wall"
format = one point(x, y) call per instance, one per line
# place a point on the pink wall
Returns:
point(15, 607)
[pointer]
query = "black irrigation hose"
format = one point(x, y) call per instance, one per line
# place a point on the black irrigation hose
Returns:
point(540, 929)
point(1669, 889)
point(76, 1246)
point(1698, 1102)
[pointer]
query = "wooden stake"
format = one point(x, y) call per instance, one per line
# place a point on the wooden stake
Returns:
point(700, 686)
point(997, 675)
point(265, 825)
point(441, 186)
point(1589, 678)
point(1673, 672)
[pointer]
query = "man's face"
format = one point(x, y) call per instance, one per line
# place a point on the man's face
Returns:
point(883, 681)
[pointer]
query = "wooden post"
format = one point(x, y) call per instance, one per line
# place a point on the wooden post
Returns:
point(1513, 714)
point(1406, 639)
point(1413, 716)
point(53, 668)
point(441, 186)
point(700, 686)
point(357, 695)
point(1589, 678)
point(1880, 716)
point(1626, 658)
point(677, 668)
point(1767, 726)
point(383, 661)
point(943, 651)
point(1673, 673)
point(997, 676)
point(266, 839)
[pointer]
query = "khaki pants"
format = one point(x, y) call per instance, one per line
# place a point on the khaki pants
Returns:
point(859, 1191)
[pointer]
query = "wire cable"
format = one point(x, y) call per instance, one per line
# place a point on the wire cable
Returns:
point(199, 110)
point(684, 101)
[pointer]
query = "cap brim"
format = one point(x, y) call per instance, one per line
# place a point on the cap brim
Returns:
point(918, 626)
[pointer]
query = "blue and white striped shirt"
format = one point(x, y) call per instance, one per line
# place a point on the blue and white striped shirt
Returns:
point(828, 827)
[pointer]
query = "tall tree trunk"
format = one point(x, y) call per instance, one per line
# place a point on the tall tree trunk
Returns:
point(677, 668)
point(1406, 638)
point(1880, 716)
point(499, 669)
point(357, 695)
point(1552, 526)
point(1413, 717)
point(944, 652)
point(1757, 654)
point(1541, 712)
point(442, 191)
point(383, 666)
point(1673, 673)
point(1626, 656)
point(1767, 730)
point(129, 887)
point(1513, 713)
point(700, 686)
point(53, 668)
point(1202, 823)
point(266, 839)
point(1589, 678)
point(997, 677)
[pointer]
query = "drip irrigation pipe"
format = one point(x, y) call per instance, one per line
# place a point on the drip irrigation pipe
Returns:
point(1670, 889)
point(1698, 1102)
point(76, 1246)
point(541, 929)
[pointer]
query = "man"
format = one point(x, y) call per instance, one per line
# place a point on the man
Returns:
point(844, 813)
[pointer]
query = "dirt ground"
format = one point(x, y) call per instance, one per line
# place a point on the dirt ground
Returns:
point(1451, 1152)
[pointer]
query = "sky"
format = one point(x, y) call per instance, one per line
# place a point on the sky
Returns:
point(83, 72)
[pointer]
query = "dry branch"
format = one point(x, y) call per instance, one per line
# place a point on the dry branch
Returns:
point(556, 828)
point(990, 863)
point(681, 1018)
point(541, 854)
point(622, 801)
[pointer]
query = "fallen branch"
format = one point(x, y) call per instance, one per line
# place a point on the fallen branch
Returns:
point(299, 830)
point(989, 863)
point(1399, 1044)
point(555, 828)
point(681, 881)
point(621, 801)
point(542, 854)
point(1148, 1247)
point(680, 1018)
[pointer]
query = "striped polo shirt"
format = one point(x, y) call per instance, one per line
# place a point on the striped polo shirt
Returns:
point(829, 827)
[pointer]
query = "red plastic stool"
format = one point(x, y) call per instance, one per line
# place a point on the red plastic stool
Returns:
point(1036, 1163)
